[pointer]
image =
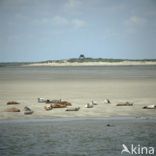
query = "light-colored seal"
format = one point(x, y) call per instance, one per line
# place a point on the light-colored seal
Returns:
point(48, 107)
point(73, 109)
point(107, 101)
point(94, 102)
point(89, 105)
point(150, 107)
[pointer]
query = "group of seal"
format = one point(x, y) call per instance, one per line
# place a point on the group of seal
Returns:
point(27, 110)
point(56, 104)
point(91, 105)
point(63, 104)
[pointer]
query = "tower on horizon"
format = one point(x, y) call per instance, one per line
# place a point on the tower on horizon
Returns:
point(81, 56)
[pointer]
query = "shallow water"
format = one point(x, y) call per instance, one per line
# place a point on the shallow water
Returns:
point(75, 137)
point(82, 72)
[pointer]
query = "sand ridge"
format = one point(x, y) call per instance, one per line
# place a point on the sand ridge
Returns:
point(65, 63)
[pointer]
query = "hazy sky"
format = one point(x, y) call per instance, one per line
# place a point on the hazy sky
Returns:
point(37, 30)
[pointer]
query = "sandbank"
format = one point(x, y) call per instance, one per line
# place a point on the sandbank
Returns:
point(79, 92)
point(123, 63)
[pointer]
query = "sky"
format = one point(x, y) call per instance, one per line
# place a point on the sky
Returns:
point(39, 30)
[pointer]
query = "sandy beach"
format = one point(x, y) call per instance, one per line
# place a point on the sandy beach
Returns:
point(81, 88)
point(66, 63)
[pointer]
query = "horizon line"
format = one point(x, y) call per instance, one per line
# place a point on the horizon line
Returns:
point(123, 59)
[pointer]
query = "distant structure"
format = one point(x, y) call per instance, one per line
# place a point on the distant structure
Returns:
point(81, 56)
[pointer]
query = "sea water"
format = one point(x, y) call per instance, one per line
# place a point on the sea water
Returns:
point(77, 72)
point(75, 137)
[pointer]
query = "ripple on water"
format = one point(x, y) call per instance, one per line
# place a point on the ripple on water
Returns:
point(79, 137)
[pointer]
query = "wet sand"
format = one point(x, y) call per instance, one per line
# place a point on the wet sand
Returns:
point(79, 89)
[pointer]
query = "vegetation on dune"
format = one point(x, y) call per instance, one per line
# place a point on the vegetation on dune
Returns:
point(146, 60)
point(88, 59)
point(72, 60)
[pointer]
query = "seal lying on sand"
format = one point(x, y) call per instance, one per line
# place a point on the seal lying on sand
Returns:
point(107, 101)
point(150, 107)
point(27, 108)
point(49, 107)
point(53, 101)
point(12, 103)
point(94, 102)
point(41, 100)
point(27, 111)
point(125, 104)
point(73, 109)
point(13, 109)
point(89, 105)
point(61, 104)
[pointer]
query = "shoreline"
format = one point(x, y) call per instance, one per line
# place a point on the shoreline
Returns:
point(77, 119)
point(123, 63)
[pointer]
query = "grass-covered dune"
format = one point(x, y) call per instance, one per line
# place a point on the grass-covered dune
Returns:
point(89, 59)
point(75, 60)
